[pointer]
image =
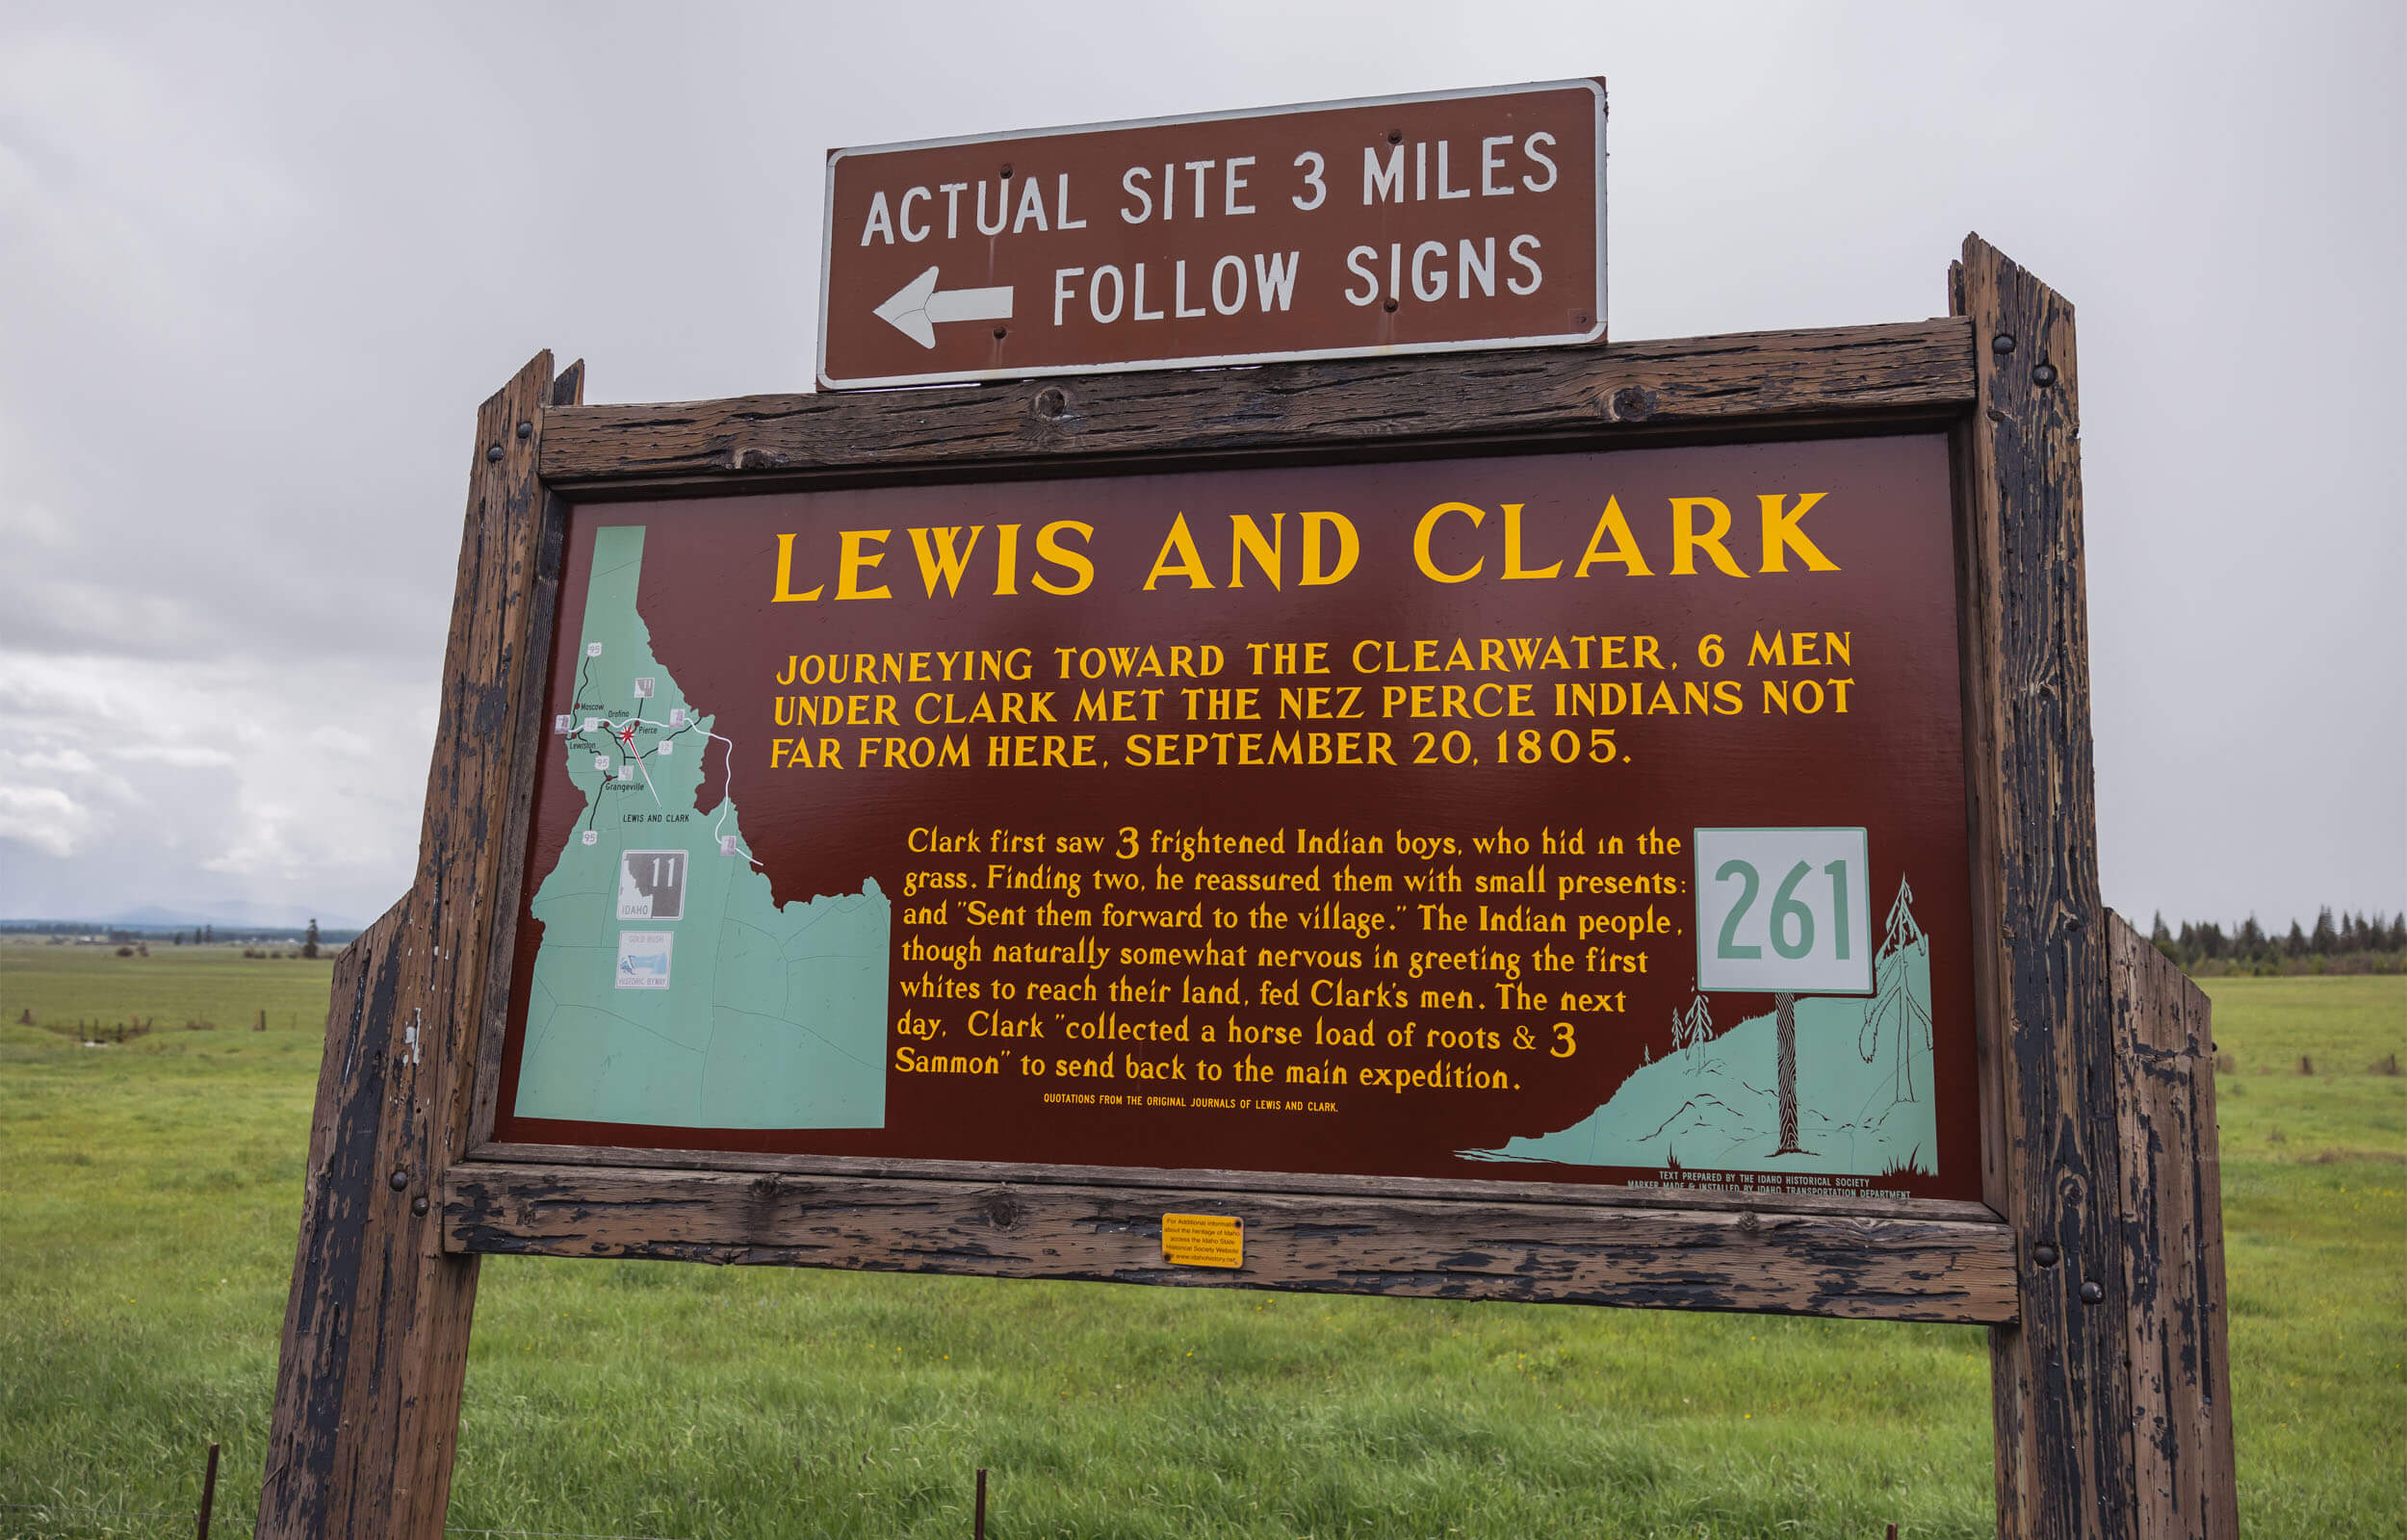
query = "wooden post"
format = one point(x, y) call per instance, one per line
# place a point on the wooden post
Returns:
point(376, 1330)
point(208, 1494)
point(2089, 1441)
point(2061, 1378)
point(2181, 1365)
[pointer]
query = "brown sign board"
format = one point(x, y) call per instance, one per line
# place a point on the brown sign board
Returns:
point(1387, 226)
point(1571, 817)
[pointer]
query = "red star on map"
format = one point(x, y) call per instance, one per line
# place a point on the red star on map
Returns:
point(628, 735)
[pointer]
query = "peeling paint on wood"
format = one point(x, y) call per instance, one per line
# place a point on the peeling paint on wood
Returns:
point(1790, 1264)
point(1566, 397)
point(375, 1331)
point(2186, 1484)
point(1486, 1192)
point(2060, 1378)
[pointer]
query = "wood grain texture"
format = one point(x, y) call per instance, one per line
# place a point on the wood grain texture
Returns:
point(376, 1339)
point(2060, 1378)
point(345, 1246)
point(1793, 1263)
point(510, 869)
point(1523, 397)
point(1207, 1180)
point(2181, 1368)
point(1980, 803)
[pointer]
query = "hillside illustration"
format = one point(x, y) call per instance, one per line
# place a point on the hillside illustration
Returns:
point(1861, 1102)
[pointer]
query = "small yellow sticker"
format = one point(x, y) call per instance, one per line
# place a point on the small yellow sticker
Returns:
point(1202, 1240)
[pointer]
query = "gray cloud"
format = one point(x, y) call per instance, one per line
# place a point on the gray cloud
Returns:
point(259, 266)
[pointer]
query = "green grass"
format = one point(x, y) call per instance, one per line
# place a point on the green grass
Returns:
point(2314, 1217)
point(148, 1196)
point(171, 987)
point(2343, 1028)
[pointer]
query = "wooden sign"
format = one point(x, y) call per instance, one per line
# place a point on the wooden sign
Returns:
point(1612, 830)
point(1392, 224)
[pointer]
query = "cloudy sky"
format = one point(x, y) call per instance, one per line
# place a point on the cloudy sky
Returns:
point(257, 267)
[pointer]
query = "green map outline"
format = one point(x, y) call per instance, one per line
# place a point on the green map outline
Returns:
point(774, 1016)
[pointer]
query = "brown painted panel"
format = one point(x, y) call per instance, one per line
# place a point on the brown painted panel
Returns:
point(1389, 226)
point(1296, 779)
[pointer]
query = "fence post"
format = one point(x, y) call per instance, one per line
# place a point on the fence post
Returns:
point(2181, 1366)
point(208, 1494)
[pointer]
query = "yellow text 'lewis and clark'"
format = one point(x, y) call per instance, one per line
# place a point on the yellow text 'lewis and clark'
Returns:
point(1453, 542)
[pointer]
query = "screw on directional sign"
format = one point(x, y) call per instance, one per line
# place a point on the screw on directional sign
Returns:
point(1396, 224)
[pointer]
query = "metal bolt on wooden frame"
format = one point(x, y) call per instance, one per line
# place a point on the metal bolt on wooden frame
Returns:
point(2095, 1260)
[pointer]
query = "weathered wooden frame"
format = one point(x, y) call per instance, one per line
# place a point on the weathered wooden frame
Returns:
point(2095, 1260)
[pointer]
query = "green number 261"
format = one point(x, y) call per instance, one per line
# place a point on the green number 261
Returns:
point(1788, 912)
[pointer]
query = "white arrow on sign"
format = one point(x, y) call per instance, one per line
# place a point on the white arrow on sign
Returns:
point(918, 305)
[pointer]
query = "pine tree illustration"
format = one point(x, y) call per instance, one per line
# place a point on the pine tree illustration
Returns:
point(1894, 1006)
point(1693, 1026)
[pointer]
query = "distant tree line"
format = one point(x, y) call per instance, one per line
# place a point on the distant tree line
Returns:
point(89, 930)
point(2348, 943)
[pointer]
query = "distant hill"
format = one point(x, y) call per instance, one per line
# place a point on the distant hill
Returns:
point(249, 915)
point(235, 916)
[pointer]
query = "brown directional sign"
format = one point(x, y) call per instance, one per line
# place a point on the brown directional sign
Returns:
point(1399, 225)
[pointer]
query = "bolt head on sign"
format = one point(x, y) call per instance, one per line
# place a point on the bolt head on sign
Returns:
point(1395, 224)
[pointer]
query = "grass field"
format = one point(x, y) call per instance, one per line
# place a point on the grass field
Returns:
point(148, 1196)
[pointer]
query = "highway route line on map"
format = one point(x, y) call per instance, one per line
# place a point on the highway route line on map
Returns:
point(622, 732)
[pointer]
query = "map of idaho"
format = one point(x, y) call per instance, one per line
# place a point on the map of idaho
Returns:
point(670, 988)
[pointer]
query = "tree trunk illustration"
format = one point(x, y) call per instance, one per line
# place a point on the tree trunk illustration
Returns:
point(1786, 1005)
